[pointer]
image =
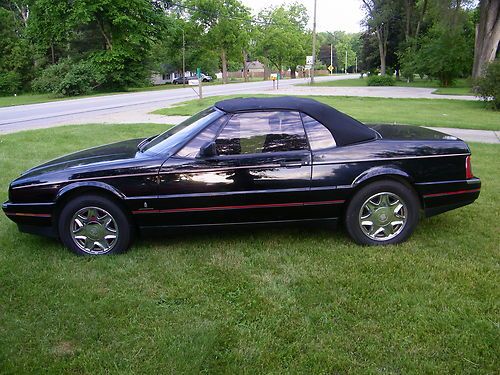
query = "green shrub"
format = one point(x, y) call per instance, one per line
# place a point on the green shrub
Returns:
point(10, 83)
point(380, 80)
point(68, 78)
point(488, 86)
point(48, 80)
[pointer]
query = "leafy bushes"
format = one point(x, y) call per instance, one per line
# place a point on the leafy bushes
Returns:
point(384, 80)
point(488, 86)
point(10, 82)
point(68, 78)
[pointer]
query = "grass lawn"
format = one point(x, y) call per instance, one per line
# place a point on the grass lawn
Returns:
point(292, 300)
point(460, 87)
point(429, 112)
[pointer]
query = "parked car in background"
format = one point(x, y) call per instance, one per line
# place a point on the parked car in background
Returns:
point(206, 78)
point(247, 161)
point(185, 80)
point(182, 80)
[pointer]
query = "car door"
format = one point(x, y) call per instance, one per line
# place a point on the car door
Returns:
point(328, 190)
point(260, 171)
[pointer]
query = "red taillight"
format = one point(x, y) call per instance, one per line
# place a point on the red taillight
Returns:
point(468, 168)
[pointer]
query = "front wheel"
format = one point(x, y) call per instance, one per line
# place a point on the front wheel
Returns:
point(382, 213)
point(94, 225)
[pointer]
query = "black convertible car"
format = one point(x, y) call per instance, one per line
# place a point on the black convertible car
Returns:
point(244, 161)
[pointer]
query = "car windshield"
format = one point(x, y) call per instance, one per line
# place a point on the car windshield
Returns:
point(164, 142)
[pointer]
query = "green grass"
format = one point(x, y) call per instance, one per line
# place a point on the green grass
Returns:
point(270, 301)
point(460, 87)
point(463, 114)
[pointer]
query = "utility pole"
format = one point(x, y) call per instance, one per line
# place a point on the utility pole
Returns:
point(314, 45)
point(183, 60)
point(356, 64)
point(331, 57)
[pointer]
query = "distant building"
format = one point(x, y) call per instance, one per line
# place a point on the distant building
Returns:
point(158, 78)
point(254, 67)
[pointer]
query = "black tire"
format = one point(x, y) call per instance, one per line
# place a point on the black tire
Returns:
point(98, 228)
point(382, 231)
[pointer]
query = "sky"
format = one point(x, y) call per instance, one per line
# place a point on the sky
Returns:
point(332, 15)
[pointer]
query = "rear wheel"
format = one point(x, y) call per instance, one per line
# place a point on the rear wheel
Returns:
point(94, 225)
point(382, 213)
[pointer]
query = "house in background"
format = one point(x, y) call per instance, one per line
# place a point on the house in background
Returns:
point(255, 68)
point(158, 78)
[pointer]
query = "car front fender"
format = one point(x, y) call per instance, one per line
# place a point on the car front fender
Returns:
point(94, 185)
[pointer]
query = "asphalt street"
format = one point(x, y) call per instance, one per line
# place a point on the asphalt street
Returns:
point(32, 116)
point(136, 107)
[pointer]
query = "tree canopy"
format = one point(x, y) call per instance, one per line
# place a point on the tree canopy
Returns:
point(78, 46)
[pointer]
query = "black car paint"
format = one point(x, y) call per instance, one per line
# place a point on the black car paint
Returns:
point(166, 190)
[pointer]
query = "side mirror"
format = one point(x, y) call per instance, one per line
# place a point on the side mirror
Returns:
point(209, 150)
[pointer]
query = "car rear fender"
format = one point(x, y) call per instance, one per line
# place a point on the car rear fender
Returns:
point(385, 172)
point(380, 171)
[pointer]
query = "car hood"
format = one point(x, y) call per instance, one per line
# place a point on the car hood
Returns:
point(101, 154)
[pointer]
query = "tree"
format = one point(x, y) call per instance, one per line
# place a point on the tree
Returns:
point(328, 54)
point(282, 40)
point(16, 63)
point(345, 45)
point(444, 51)
point(487, 35)
point(380, 14)
point(223, 24)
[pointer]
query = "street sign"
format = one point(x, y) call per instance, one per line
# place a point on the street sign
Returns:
point(198, 72)
point(330, 68)
point(309, 60)
point(193, 82)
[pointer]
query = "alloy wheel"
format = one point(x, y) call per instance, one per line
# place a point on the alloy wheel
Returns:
point(383, 216)
point(94, 230)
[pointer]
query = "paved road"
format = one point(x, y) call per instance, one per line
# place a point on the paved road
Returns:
point(73, 111)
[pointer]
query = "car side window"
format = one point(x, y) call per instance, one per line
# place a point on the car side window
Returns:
point(192, 148)
point(262, 132)
point(319, 136)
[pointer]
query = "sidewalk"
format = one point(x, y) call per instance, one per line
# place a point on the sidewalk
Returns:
point(373, 92)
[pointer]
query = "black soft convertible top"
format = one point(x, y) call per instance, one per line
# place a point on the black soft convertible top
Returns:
point(344, 128)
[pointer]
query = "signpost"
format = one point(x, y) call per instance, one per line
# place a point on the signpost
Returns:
point(275, 77)
point(330, 68)
point(198, 74)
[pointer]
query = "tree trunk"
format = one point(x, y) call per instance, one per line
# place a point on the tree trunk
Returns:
point(52, 53)
point(245, 70)
point(409, 4)
point(382, 49)
point(107, 39)
point(487, 36)
point(293, 72)
point(266, 72)
point(421, 19)
point(223, 59)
